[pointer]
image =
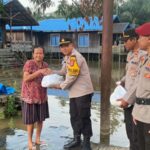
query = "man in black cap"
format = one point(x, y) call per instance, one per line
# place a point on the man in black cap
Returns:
point(134, 57)
point(79, 85)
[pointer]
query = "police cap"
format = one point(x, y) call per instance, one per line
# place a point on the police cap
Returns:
point(144, 29)
point(65, 41)
point(128, 34)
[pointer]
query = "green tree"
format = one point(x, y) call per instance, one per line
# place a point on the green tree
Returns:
point(135, 11)
point(117, 4)
point(1, 7)
point(66, 10)
point(91, 7)
point(83, 8)
point(38, 15)
point(80, 8)
point(41, 5)
point(3, 13)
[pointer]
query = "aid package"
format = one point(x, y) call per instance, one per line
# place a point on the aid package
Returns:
point(118, 93)
point(51, 80)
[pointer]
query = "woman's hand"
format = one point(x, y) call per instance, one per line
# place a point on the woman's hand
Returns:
point(45, 71)
point(48, 71)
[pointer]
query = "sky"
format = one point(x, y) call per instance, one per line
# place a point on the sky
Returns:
point(27, 3)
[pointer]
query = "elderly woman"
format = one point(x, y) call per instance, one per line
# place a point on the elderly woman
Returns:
point(34, 96)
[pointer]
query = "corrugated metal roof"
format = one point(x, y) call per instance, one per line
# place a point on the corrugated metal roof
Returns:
point(6, 1)
point(21, 16)
point(70, 25)
point(51, 25)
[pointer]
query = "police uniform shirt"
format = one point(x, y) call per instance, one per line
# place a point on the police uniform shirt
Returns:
point(142, 112)
point(78, 80)
point(133, 59)
point(141, 89)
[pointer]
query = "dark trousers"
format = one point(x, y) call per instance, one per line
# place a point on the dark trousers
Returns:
point(131, 128)
point(143, 135)
point(80, 112)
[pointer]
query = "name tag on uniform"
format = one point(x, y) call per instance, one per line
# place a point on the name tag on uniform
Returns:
point(147, 75)
point(72, 66)
point(133, 71)
point(147, 67)
point(142, 60)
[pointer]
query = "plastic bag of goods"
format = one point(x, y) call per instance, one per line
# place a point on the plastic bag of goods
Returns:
point(51, 80)
point(118, 93)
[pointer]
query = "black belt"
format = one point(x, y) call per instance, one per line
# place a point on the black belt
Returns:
point(143, 101)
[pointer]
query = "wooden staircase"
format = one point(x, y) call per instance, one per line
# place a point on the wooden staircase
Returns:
point(9, 58)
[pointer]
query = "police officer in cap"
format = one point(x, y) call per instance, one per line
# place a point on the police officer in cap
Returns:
point(135, 55)
point(79, 85)
point(140, 92)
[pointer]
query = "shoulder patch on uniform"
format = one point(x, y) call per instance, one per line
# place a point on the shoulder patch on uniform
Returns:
point(73, 68)
point(72, 60)
point(142, 59)
point(129, 56)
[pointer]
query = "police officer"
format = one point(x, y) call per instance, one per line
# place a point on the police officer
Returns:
point(79, 85)
point(141, 92)
point(133, 58)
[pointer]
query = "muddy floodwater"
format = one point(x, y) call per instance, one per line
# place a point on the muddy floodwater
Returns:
point(57, 130)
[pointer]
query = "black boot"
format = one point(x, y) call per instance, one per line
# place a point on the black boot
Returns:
point(86, 144)
point(74, 143)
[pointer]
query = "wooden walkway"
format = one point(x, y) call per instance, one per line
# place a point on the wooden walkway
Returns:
point(111, 148)
point(101, 147)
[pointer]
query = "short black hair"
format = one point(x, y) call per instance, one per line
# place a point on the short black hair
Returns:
point(130, 34)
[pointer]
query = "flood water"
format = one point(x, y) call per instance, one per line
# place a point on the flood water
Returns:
point(57, 130)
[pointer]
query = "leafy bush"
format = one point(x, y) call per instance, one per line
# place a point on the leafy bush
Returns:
point(10, 108)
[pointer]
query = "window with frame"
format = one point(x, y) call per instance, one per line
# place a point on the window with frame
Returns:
point(19, 36)
point(54, 39)
point(83, 40)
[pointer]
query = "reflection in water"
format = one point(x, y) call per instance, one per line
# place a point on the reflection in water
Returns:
point(3, 136)
point(115, 113)
point(63, 101)
point(95, 73)
point(57, 130)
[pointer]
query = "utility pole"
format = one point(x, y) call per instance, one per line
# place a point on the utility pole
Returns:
point(106, 65)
